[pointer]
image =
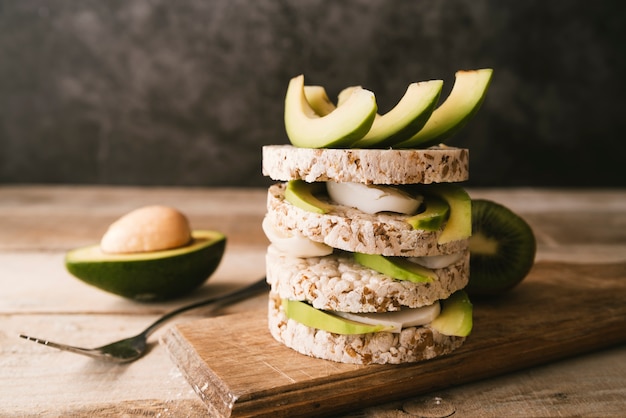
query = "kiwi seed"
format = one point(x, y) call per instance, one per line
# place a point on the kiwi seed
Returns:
point(502, 249)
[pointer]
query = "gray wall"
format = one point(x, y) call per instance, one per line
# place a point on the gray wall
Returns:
point(186, 92)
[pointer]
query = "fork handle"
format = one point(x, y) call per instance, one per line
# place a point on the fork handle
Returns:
point(240, 294)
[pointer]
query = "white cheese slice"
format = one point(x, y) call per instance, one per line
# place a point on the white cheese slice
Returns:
point(370, 198)
point(396, 320)
point(296, 245)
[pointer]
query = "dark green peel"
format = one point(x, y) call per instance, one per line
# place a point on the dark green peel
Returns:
point(502, 249)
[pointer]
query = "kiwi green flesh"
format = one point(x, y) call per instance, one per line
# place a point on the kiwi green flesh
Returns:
point(502, 249)
point(150, 276)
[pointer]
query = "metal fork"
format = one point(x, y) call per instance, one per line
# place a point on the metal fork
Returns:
point(130, 349)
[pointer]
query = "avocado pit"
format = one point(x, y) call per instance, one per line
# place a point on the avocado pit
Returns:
point(150, 228)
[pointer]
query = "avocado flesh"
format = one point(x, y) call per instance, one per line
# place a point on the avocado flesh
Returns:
point(435, 214)
point(398, 268)
point(318, 100)
point(405, 119)
point(150, 276)
point(459, 223)
point(339, 129)
point(302, 195)
point(314, 318)
point(455, 318)
point(466, 97)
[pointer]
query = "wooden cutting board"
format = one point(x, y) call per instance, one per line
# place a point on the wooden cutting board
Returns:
point(560, 310)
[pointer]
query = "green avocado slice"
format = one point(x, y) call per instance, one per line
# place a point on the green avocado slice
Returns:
point(314, 318)
point(459, 224)
point(405, 119)
point(435, 214)
point(398, 268)
point(339, 129)
point(150, 276)
point(466, 97)
point(302, 194)
point(318, 100)
point(456, 316)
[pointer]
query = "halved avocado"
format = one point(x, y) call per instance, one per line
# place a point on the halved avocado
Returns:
point(150, 276)
point(468, 93)
point(340, 128)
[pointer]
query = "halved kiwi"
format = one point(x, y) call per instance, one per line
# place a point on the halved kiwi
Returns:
point(502, 249)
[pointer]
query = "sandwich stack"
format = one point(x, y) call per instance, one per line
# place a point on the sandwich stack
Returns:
point(368, 254)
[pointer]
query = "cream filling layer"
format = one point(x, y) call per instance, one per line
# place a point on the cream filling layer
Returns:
point(296, 245)
point(396, 320)
point(370, 198)
point(437, 261)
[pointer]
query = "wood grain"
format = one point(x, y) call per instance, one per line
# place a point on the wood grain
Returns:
point(39, 223)
point(560, 310)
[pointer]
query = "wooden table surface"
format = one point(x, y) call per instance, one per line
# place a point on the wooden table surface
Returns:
point(38, 297)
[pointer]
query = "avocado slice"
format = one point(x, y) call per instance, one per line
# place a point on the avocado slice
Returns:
point(434, 215)
point(345, 94)
point(321, 104)
point(459, 224)
point(302, 194)
point(318, 100)
point(400, 123)
point(406, 118)
point(466, 97)
point(314, 318)
point(339, 129)
point(150, 276)
point(456, 316)
point(398, 268)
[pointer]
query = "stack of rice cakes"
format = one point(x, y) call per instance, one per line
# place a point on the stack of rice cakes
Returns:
point(332, 280)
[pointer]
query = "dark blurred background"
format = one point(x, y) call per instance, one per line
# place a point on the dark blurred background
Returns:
point(187, 92)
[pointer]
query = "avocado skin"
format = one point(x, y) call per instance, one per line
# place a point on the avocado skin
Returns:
point(155, 279)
